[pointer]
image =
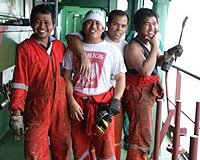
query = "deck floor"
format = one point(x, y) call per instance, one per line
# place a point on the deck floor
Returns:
point(12, 150)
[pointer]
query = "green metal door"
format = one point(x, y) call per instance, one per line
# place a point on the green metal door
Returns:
point(71, 20)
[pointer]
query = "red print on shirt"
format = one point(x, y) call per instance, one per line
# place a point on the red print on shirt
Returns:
point(97, 60)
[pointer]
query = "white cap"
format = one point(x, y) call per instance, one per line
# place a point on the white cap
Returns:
point(95, 15)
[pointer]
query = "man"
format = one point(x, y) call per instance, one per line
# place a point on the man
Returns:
point(142, 56)
point(38, 91)
point(117, 25)
point(90, 94)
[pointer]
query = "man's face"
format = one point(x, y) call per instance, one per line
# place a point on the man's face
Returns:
point(42, 26)
point(149, 27)
point(93, 30)
point(117, 27)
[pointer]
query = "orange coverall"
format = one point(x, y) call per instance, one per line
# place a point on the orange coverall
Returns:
point(139, 97)
point(39, 92)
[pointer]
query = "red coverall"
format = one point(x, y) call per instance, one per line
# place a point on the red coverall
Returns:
point(84, 133)
point(39, 92)
point(118, 123)
point(139, 97)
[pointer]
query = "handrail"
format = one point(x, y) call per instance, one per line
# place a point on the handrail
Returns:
point(159, 134)
point(193, 140)
point(189, 73)
point(181, 111)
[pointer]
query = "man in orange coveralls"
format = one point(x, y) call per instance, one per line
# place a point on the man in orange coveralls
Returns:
point(39, 92)
point(90, 93)
point(142, 56)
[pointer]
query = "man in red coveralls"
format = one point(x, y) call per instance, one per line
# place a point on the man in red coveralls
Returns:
point(39, 92)
point(93, 94)
point(142, 56)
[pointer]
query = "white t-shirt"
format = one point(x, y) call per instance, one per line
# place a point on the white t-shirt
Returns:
point(106, 60)
point(121, 44)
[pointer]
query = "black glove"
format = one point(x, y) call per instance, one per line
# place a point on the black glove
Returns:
point(170, 55)
point(114, 107)
point(104, 117)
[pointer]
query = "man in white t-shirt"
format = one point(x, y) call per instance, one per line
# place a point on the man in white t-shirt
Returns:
point(117, 25)
point(88, 95)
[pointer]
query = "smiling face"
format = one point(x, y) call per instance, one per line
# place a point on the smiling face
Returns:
point(117, 27)
point(42, 26)
point(148, 27)
point(93, 30)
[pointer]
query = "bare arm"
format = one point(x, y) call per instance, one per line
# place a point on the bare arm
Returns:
point(75, 109)
point(135, 58)
point(120, 85)
point(75, 45)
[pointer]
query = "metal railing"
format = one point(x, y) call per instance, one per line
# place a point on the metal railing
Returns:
point(174, 127)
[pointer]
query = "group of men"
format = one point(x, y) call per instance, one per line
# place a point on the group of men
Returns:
point(81, 105)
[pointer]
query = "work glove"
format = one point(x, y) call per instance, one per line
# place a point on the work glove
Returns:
point(170, 55)
point(104, 117)
point(17, 126)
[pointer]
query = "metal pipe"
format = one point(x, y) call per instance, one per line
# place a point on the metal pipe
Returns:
point(194, 139)
point(197, 118)
point(178, 88)
point(176, 134)
point(157, 130)
point(178, 85)
point(193, 147)
point(166, 88)
point(56, 18)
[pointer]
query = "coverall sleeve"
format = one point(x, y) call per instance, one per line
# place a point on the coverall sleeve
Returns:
point(20, 80)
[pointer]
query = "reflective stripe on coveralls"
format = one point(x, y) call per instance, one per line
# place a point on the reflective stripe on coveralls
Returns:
point(19, 86)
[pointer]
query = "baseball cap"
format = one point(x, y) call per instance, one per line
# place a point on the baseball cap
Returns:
point(95, 15)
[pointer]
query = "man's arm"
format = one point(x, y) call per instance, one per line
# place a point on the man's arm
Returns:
point(75, 109)
point(75, 45)
point(120, 85)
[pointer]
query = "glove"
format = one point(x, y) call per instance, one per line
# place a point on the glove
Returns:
point(104, 117)
point(170, 55)
point(176, 50)
point(114, 107)
point(17, 126)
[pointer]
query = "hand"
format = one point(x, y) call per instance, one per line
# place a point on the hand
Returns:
point(17, 126)
point(76, 111)
point(155, 39)
point(85, 67)
point(170, 55)
point(176, 50)
point(114, 107)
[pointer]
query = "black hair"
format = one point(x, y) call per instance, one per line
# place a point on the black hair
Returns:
point(116, 12)
point(142, 14)
point(44, 9)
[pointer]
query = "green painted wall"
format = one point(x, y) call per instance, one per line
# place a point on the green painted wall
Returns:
point(71, 20)
point(106, 4)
